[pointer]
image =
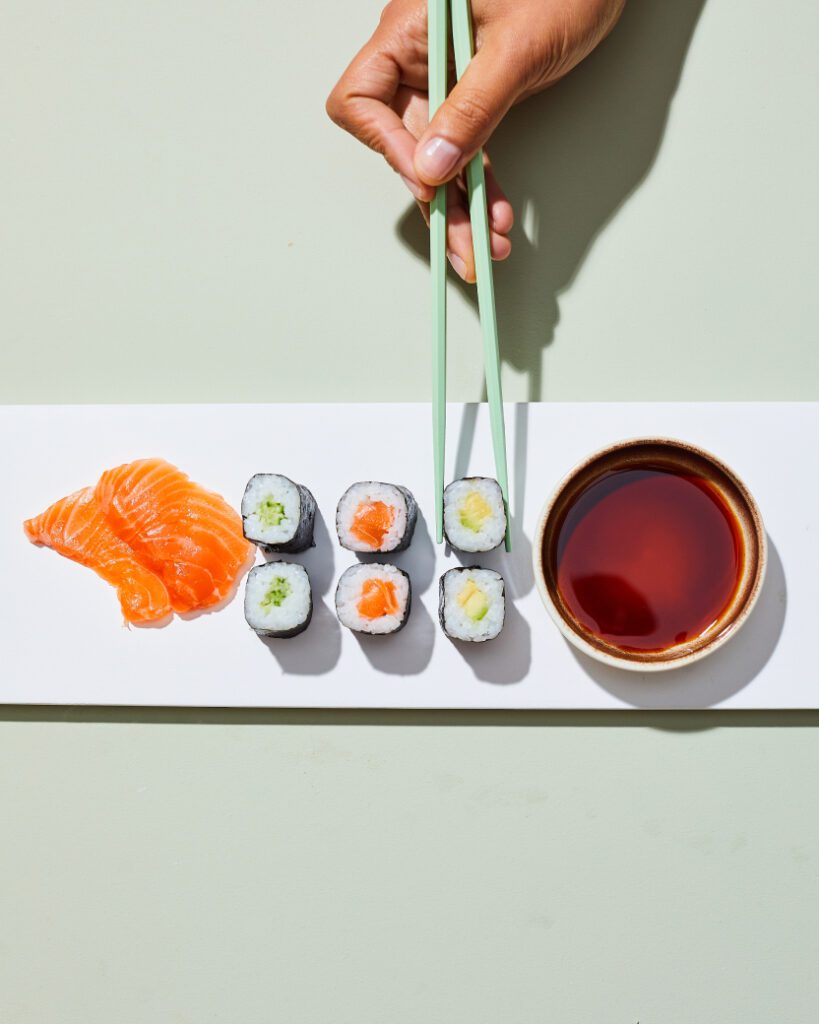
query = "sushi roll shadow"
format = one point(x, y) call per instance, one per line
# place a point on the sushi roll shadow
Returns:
point(508, 658)
point(314, 652)
point(318, 560)
point(418, 561)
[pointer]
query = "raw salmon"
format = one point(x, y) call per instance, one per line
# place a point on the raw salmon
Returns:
point(191, 538)
point(377, 599)
point(75, 527)
point(371, 522)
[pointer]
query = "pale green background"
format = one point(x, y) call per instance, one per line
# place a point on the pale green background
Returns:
point(180, 222)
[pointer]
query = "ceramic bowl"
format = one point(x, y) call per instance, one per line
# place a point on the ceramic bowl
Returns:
point(632, 454)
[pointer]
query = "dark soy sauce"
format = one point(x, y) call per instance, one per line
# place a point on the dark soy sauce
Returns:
point(648, 558)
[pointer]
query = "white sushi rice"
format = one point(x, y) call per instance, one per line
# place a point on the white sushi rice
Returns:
point(492, 530)
point(455, 621)
point(348, 594)
point(262, 613)
point(270, 487)
point(370, 491)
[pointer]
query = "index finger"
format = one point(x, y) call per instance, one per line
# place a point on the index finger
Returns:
point(361, 103)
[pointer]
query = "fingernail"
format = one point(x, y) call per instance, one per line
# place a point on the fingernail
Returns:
point(415, 189)
point(437, 159)
point(458, 264)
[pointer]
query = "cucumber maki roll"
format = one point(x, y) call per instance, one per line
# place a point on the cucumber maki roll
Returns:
point(278, 514)
point(373, 599)
point(278, 600)
point(474, 514)
point(472, 604)
point(373, 516)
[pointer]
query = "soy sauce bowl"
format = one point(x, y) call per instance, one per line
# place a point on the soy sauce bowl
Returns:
point(682, 459)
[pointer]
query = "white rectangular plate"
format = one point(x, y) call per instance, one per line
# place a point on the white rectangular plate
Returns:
point(63, 641)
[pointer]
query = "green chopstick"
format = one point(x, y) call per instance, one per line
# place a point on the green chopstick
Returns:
point(438, 65)
point(476, 191)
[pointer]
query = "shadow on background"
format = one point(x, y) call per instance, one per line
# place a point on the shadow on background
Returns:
point(568, 159)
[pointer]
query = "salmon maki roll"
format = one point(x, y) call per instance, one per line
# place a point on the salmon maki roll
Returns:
point(373, 516)
point(373, 599)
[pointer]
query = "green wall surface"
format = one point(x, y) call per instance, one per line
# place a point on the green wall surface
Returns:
point(182, 223)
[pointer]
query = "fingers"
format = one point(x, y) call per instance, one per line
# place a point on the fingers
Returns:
point(459, 233)
point(471, 112)
point(361, 104)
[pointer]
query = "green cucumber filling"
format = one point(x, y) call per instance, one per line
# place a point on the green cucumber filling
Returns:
point(277, 592)
point(270, 512)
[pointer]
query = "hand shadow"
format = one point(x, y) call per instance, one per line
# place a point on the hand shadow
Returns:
point(715, 678)
point(569, 158)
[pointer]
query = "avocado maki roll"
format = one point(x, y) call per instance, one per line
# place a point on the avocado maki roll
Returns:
point(278, 600)
point(373, 516)
point(474, 514)
point(472, 604)
point(373, 599)
point(278, 514)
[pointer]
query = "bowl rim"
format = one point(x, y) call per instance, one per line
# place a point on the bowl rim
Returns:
point(624, 661)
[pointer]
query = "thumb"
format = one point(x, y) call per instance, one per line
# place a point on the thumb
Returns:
point(471, 112)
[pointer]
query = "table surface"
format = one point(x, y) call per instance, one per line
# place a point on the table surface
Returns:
point(177, 192)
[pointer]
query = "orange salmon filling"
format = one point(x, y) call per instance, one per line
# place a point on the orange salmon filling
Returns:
point(377, 599)
point(371, 522)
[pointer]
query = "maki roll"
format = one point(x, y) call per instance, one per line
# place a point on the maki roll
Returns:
point(373, 516)
point(472, 604)
point(373, 599)
point(278, 599)
point(278, 514)
point(474, 514)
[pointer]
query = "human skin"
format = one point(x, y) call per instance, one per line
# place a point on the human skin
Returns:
point(522, 47)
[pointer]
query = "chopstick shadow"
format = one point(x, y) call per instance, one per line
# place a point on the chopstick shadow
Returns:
point(717, 677)
point(569, 159)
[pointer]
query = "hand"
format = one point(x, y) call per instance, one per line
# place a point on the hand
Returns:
point(522, 46)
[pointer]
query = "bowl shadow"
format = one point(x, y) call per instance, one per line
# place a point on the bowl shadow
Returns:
point(715, 678)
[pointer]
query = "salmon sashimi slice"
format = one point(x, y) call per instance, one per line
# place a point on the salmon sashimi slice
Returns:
point(371, 522)
point(190, 537)
point(75, 527)
point(377, 599)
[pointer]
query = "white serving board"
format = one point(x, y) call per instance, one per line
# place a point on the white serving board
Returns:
point(63, 641)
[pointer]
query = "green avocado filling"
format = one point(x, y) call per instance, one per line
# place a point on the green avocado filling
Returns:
point(474, 511)
point(270, 512)
point(279, 589)
point(473, 601)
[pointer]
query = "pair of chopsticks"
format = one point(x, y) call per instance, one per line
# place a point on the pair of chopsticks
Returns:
point(463, 46)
